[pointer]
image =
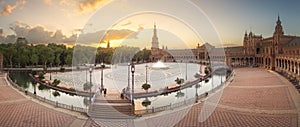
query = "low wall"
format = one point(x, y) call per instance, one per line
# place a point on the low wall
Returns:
point(43, 99)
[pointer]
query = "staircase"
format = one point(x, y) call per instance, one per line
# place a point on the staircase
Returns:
point(111, 107)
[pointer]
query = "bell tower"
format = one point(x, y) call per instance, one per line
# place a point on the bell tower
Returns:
point(278, 33)
point(155, 38)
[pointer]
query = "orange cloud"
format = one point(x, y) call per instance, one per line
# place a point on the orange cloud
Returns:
point(7, 10)
point(90, 5)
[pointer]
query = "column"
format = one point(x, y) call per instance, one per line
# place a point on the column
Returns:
point(294, 67)
point(298, 69)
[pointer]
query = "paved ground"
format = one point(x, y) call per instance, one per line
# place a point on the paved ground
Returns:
point(256, 97)
point(22, 111)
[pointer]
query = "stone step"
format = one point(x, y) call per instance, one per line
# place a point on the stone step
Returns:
point(111, 111)
point(111, 101)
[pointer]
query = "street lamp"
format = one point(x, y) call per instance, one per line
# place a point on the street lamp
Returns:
point(146, 74)
point(186, 71)
point(90, 70)
point(128, 85)
point(50, 70)
point(132, 87)
point(34, 88)
point(102, 67)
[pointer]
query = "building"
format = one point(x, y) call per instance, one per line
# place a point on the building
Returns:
point(279, 52)
point(156, 52)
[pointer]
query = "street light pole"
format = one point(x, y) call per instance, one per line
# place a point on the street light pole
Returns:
point(91, 70)
point(128, 85)
point(186, 71)
point(102, 67)
point(146, 74)
point(132, 87)
point(50, 71)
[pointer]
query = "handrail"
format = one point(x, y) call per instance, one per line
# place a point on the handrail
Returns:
point(182, 103)
point(43, 99)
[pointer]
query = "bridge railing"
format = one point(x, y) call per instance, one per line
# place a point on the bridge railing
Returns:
point(187, 102)
point(45, 100)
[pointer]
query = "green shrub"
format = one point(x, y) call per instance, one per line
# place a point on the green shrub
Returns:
point(146, 86)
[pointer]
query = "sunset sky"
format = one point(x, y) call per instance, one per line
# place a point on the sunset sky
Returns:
point(130, 22)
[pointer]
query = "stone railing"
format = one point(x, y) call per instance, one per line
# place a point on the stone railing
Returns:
point(43, 99)
point(190, 101)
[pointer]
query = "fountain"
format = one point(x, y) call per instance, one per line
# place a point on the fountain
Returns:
point(159, 65)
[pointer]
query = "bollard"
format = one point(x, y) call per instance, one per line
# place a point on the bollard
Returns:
point(26, 92)
point(152, 109)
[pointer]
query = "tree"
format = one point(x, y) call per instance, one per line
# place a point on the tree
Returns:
point(146, 87)
point(179, 81)
point(46, 54)
point(55, 93)
point(10, 53)
point(146, 102)
point(87, 86)
point(56, 82)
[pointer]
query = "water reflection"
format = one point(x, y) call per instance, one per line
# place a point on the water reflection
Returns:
point(26, 82)
point(184, 94)
point(146, 102)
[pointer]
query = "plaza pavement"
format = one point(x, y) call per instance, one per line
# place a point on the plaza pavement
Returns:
point(256, 97)
point(18, 110)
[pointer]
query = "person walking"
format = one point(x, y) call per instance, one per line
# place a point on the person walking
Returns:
point(105, 90)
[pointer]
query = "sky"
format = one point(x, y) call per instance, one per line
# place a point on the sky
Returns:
point(180, 23)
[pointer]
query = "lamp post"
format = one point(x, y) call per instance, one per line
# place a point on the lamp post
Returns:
point(34, 88)
point(50, 71)
point(102, 67)
point(128, 85)
point(86, 75)
point(185, 70)
point(90, 70)
point(146, 74)
point(132, 85)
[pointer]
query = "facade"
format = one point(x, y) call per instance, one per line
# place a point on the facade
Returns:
point(279, 52)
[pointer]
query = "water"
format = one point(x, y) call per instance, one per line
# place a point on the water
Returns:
point(25, 81)
point(157, 78)
point(185, 94)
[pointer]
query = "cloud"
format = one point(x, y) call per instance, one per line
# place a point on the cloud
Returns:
point(126, 24)
point(48, 1)
point(7, 10)
point(39, 34)
point(90, 5)
point(113, 34)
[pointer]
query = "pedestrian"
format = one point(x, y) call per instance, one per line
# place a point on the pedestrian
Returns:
point(105, 90)
point(100, 90)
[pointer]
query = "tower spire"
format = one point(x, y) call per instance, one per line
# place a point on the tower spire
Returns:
point(278, 28)
point(155, 38)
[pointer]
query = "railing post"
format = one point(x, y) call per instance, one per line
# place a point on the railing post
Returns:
point(72, 107)
point(152, 109)
point(56, 104)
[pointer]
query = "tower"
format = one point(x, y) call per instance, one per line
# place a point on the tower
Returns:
point(276, 36)
point(155, 38)
point(156, 53)
point(108, 44)
point(245, 43)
